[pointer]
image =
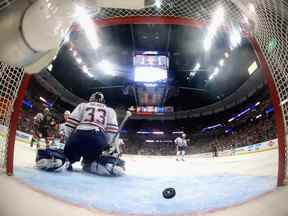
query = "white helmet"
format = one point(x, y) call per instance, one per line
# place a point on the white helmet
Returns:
point(97, 97)
point(67, 112)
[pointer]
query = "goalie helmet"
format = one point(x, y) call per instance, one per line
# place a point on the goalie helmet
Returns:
point(97, 97)
point(66, 115)
point(67, 112)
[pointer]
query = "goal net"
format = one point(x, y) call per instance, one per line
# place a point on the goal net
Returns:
point(10, 81)
point(265, 22)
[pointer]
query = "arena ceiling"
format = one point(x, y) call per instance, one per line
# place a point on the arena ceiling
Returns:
point(188, 85)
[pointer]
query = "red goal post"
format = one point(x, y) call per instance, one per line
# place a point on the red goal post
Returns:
point(13, 84)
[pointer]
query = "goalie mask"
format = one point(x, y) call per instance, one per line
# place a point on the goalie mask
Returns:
point(97, 97)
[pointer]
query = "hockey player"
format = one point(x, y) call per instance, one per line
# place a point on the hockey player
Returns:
point(181, 145)
point(91, 127)
point(63, 138)
point(116, 147)
point(36, 133)
point(48, 127)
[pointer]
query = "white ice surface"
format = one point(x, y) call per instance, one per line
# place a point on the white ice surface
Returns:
point(201, 184)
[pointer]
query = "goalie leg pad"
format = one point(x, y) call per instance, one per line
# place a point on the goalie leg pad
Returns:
point(50, 159)
point(106, 166)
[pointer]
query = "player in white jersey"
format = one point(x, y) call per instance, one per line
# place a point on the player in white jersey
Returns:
point(181, 145)
point(90, 128)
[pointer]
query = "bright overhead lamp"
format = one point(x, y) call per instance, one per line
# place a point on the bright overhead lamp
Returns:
point(226, 54)
point(107, 67)
point(197, 67)
point(235, 38)
point(85, 68)
point(252, 68)
point(221, 62)
point(50, 67)
point(158, 3)
point(88, 26)
point(78, 60)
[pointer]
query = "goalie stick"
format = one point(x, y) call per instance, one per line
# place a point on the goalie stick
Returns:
point(113, 145)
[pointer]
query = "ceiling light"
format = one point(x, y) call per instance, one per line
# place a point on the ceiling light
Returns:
point(107, 67)
point(216, 22)
point(216, 70)
point(89, 74)
point(226, 54)
point(158, 3)
point(252, 68)
point(88, 26)
point(75, 53)
point(78, 60)
point(235, 38)
point(207, 44)
point(197, 67)
point(50, 67)
point(84, 68)
point(221, 62)
point(192, 74)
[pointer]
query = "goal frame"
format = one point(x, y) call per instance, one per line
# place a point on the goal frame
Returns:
point(166, 20)
point(279, 119)
point(16, 113)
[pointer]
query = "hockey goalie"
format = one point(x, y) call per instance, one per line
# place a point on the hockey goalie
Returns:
point(93, 135)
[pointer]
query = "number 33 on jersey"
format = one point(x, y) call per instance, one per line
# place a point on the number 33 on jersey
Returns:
point(93, 115)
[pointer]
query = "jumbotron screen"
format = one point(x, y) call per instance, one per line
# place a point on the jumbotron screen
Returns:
point(150, 68)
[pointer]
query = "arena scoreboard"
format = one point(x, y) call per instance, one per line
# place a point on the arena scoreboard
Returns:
point(154, 109)
point(159, 61)
point(150, 67)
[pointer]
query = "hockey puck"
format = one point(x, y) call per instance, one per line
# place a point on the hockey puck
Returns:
point(169, 193)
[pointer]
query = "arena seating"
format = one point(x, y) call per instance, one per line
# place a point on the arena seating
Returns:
point(253, 127)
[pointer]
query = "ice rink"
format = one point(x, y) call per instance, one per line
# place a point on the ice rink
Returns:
point(203, 185)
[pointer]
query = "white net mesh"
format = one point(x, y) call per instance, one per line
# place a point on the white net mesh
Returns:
point(10, 80)
point(200, 10)
point(268, 24)
point(272, 38)
point(269, 27)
